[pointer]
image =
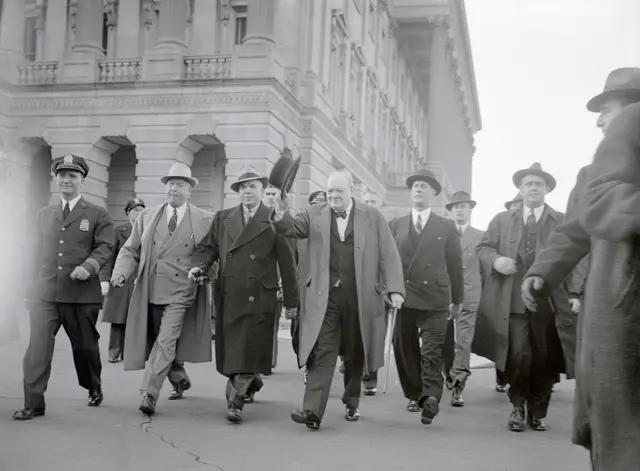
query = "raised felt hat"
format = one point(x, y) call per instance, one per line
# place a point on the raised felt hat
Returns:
point(247, 174)
point(425, 175)
point(283, 173)
point(180, 171)
point(460, 197)
point(508, 204)
point(70, 162)
point(134, 203)
point(535, 169)
point(623, 83)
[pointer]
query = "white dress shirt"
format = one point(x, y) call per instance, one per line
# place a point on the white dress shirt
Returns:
point(182, 210)
point(342, 222)
point(72, 203)
point(462, 228)
point(537, 212)
point(424, 216)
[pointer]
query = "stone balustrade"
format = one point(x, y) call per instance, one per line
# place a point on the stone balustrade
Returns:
point(37, 73)
point(207, 67)
point(119, 70)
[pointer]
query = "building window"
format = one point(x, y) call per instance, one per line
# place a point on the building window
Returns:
point(241, 23)
point(30, 39)
point(105, 32)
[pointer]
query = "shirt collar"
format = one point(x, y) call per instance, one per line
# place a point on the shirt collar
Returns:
point(180, 210)
point(463, 228)
point(251, 211)
point(424, 214)
point(72, 203)
point(348, 209)
point(537, 212)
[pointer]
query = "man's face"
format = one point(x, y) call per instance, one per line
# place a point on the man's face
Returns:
point(178, 191)
point(461, 213)
point(533, 190)
point(269, 198)
point(372, 199)
point(251, 193)
point(421, 193)
point(70, 182)
point(339, 192)
point(608, 111)
point(134, 213)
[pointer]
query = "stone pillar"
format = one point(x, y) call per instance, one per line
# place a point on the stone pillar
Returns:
point(166, 60)
point(55, 30)
point(257, 56)
point(82, 65)
point(12, 26)
point(128, 31)
point(204, 28)
point(362, 106)
point(346, 88)
point(438, 78)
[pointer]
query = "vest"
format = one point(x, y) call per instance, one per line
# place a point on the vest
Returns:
point(342, 256)
point(528, 244)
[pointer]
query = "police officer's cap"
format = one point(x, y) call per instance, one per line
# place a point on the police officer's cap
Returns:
point(70, 162)
point(134, 203)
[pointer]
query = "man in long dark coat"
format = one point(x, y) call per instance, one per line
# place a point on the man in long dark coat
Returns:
point(350, 259)
point(250, 255)
point(74, 241)
point(531, 349)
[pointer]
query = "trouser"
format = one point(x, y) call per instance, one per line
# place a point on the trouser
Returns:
point(163, 330)
point(276, 329)
point(501, 379)
point(79, 322)
point(527, 364)
point(340, 328)
point(420, 366)
point(370, 380)
point(240, 385)
point(457, 348)
point(116, 340)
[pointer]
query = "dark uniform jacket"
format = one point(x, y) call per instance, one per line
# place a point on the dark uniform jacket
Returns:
point(116, 303)
point(84, 239)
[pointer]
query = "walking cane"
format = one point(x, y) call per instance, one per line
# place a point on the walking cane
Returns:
point(393, 311)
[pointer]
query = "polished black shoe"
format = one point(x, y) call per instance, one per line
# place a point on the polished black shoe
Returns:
point(456, 398)
point(370, 391)
point(516, 420)
point(430, 409)
point(28, 413)
point(537, 424)
point(178, 393)
point(234, 415)
point(250, 398)
point(306, 418)
point(95, 398)
point(502, 388)
point(413, 406)
point(148, 405)
point(352, 415)
point(114, 359)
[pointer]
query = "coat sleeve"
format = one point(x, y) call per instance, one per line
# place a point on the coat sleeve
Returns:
point(453, 258)
point(487, 249)
point(390, 262)
point(294, 227)
point(288, 276)
point(208, 251)
point(612, 197)
point(102, 244)
point(107, 269)
point(129, 256)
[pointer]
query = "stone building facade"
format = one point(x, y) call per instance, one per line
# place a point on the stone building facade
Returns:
point(378, 87)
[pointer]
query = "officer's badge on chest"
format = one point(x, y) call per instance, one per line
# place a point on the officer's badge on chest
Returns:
point(84, 225)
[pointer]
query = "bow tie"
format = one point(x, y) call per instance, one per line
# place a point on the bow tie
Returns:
point(341, 214)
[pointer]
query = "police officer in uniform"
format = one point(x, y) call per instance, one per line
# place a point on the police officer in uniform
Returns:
point(74, 239)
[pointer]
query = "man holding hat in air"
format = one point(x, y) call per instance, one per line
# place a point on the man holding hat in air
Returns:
point(74, 239)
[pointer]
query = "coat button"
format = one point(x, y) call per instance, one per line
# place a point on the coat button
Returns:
point(251, 298)
point(59, 255)
point(425, 283)
point(59, 268)
point(63, 229)
point(252, 257)
point(62, 241)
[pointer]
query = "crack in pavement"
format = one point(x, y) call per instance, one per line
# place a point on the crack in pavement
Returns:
point(146, 426)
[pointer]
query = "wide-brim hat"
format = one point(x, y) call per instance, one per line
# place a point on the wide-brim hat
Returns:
point(247, 174)
point(425, 175)
point(70, 162)
point(283, 173)
point(180, 171)
point(621, 83)
point(516, 199)
point(535, 169)
point(460, 197)
point(134, 203)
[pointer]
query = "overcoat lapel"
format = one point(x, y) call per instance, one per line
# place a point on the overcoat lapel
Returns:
point(403, 227)
point(76, 212)
point(148, 229)
point(233, 223)
point(516, 233)
point(256, 226)
point(429, 233)
point(58, 212)
point(467, 238)
point(360, 226)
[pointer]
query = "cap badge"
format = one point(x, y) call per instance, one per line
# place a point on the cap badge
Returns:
point(68, 159)
point(84, 225)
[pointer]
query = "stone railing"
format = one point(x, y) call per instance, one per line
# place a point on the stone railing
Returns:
point(119, 70)
point(207, 67)
point(37, 73)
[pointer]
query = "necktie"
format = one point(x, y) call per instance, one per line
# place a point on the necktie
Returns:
point(247, 216)
point(459, 230)
point(173, 222)
point(531, 219)
point(419, 224)
point(341, 214)
point(66, 210)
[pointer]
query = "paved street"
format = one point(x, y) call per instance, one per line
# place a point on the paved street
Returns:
point(193, 434)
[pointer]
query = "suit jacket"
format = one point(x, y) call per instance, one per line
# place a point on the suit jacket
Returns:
point(469, 240)
point(84, 238)
point(433, 273)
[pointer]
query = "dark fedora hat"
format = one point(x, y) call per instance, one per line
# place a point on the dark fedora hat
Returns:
point(134, 203)
point(460, 197)
point(535, 169)
point(621, 83)
point(284, 172)
point(424, 175)
point(70, 162)
point(516, 199)
point(247, 174)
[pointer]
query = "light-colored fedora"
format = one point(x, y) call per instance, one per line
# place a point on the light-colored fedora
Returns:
point(180, 171)
point(247, 174)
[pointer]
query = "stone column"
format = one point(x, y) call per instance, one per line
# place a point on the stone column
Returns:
point(362, 106)
point(55, 30)
point(12, 26)
point(166, 60)
point(204, 28)
point(128, 31)
point(82, 65)
point(438, 77)
point(346, 87)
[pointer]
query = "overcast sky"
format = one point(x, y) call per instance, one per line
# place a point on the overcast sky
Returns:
point(537, 64)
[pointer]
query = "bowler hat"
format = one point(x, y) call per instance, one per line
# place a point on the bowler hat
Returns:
point(425, 175)
point(315, 195)
point(516, 199)
point(134, 203)
point(535, 169)
point(284, 172)
point(180, 171)
point(622, 83)
point(247, 174)
point(460, 197)
point(70, 162)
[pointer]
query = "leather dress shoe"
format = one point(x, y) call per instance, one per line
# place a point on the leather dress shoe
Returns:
point(352, 415)
point(178, 392)
point(148, 405)
point(430, 409)
point(502, 388)
point(370, 391)
point(234, 415)
point(516, 420)
point(413, 406)
point(307, 418)
point(537, 424)
point(95, 398)
point(28, 413)
point(250, 398)
point(456, 398)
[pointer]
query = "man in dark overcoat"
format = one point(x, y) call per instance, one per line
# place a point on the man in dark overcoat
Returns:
point(116, 300)
point(350, 259)
point(431, 256)
point(74, 239)
point(531, 349)
point(250, 256)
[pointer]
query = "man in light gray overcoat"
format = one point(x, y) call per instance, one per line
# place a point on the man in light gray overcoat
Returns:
point(169, 321)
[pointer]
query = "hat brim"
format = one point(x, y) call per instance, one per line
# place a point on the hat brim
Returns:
point(595, 104)
point(75, 168)
point(451, 205)
point(520, 174)
point(191, 180)
point(235, 186)
point(129, 209)
point(422, 178)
